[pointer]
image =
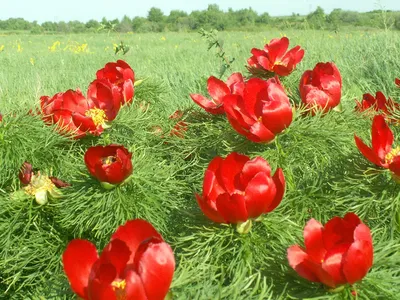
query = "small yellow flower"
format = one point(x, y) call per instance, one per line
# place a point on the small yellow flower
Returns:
point(163, 38)
point(1, 48)
point(19, 48)
point(54, 47)
point(32, 61)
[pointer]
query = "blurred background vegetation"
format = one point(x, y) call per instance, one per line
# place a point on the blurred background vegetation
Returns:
point(213, 17)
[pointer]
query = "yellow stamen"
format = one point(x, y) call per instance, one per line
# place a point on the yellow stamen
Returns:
point(39, 183)
point(108, 160)
point(392, 154)
point(98, 116)
point(119, 289)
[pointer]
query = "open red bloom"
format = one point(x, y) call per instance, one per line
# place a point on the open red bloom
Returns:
point(379, 103)
point(218, 90)
point(381, 153)
point(121, 75)
point(261, 112)
point(321, 88)
point(237, 188)
point(111, 164)
point(136, 264)
point(335, 254)
point(275, 58)
point(74, 113)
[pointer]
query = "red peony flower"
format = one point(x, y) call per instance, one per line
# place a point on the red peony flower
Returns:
point(379, 103)
point(381, 153)
point(237, 188)
point(73, 113)
point(121, 75)
point(275, 58)
point(335, 254)
point(217, 90)
point(397, 82)
point(321, 88)
point(136, 264)
point(261, 112)
point(110, 164)
point(1, 117)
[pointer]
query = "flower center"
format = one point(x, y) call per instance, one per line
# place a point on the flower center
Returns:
point(108, 160)
point(119, 289)
point(392, 154)
point(98, 116)
point(39, 183)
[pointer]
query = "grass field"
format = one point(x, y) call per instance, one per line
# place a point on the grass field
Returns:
point(326, 175)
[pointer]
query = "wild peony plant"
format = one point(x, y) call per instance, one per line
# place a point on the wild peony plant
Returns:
point(77, 115)
point(381, 153)
point(274, 59)
point(261, 112)
point(378, 104)
point(321, 88)
point(111, 165)
point(136, 264)
point(336, 254)
point(120, 75)
point(237, 189)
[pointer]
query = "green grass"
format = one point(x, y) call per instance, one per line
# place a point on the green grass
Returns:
point(324, 171)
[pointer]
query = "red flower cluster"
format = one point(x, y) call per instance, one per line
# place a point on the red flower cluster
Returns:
point(381, 153)
point(335, 254)
point(379, 103)
point(275, 58)
point(218, 90)
point(262, 111)
point(321, 88)
point(110, 164)
point(79, 115)
point(136, 264)
point(237, 188)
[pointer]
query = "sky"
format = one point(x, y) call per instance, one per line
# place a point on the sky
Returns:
point(84, 10)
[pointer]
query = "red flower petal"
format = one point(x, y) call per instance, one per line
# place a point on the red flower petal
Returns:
point(230, 167)
point(358, 260)
point(117, 254)
point(155, 264)
point(217, 89)
point(134, 286)
point(207, 104)
point(313, 240)
point(78, 259)
point(332, 264)
point(367, 151)
point(397, 82)
point(280, 184)
point(232, 208)
point(382, 137)
point(299, 261)
point(25, 173)
point(259, 194)
point(253, 167)
point(395, 166)
point(134, 232)
point(209, 211)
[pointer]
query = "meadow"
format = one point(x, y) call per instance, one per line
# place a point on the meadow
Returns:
point(325, 173)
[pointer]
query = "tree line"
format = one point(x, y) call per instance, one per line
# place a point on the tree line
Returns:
point(214, 17)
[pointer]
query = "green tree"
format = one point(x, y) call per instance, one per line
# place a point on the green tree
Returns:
point(155, 15)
